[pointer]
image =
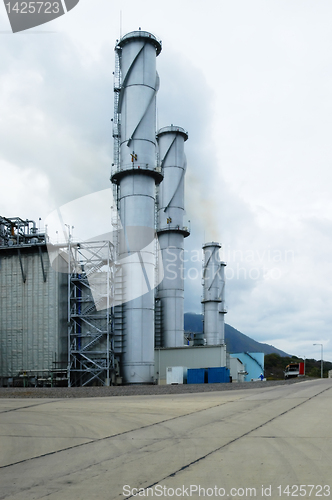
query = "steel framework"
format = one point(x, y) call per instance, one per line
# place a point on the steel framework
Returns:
point(90, 313)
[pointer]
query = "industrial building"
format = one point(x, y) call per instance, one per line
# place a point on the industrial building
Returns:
point(33, 304)
point(110, 310)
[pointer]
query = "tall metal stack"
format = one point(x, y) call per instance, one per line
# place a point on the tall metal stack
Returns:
point(136, 176)
point(171, 233)
point(213, 294)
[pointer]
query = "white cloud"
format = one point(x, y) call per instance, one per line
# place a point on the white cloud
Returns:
point(56, 116)
point(251, 82)
point(23, 192)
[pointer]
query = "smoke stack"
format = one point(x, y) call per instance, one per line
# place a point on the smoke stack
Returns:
point(171, 233)
point(213, 294)
point(136, 177)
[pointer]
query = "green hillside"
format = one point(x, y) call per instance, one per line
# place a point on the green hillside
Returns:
point(235, 340)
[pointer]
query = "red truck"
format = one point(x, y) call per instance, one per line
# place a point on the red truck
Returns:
point(294, 370)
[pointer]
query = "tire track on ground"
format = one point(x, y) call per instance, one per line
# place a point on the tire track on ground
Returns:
point(200, 459)
point(117, 435)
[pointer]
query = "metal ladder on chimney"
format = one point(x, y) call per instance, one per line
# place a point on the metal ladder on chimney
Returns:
point(158, 341)
point(116, 119)
point(118, 316)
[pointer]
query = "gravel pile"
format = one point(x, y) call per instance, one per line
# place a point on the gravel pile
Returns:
point(131, 390)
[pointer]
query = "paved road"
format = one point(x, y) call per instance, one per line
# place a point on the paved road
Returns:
point(229, 444)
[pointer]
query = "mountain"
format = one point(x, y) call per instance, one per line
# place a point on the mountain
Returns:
point(235, 340)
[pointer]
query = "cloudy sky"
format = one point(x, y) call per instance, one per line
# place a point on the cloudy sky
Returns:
point(251, 81)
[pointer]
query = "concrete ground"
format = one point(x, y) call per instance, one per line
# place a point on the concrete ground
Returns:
point(253, 443)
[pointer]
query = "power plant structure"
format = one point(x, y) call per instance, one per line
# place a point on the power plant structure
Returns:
point(135, 175)
point(213, 295)
point(121, 317)
point(33, 304)
point(171, 233)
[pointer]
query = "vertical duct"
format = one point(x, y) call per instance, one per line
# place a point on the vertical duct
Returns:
point(136, 177)
point(171, 233)
point(213, 294)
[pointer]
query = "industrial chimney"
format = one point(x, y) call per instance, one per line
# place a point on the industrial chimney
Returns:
point(136, 175)
point(213, 294)
point(171, 233)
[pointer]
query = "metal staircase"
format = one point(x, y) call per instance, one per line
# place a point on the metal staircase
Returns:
point(90, 309)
